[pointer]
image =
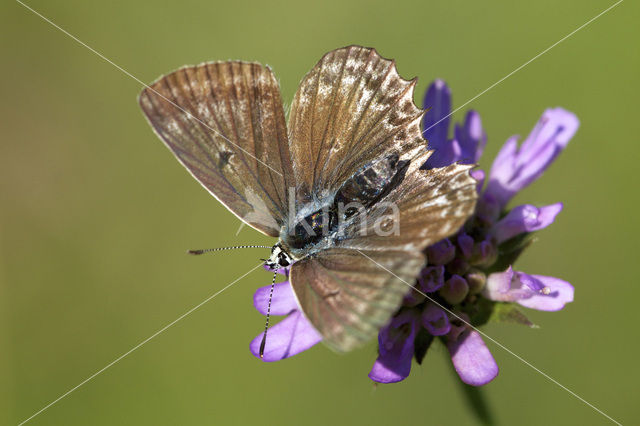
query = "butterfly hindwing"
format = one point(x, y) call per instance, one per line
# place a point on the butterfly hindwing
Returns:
point(426, 207)
point(225, 123)
point(348, 296)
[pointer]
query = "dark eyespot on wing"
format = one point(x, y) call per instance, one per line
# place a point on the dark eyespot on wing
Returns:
point(223, 158)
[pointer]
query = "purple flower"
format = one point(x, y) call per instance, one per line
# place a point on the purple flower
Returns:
point(459, 283)
point(525, 218)
point(395, 347)
point(469, 138)
point(471, 358)
point(289, 337)
point(435, 320)
point(514, 168)
point(431, 279)
point(441, 253)
point(531, 291)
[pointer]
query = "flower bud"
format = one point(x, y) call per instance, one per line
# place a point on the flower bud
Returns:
point(465, 243)
point(458, 266)
point(431, 279)
point(476, 280)
point(435, 320)
point(441, 252)
point(484, 253)
point(454, 290)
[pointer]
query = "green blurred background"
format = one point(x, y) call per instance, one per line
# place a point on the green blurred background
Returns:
point(97, 214)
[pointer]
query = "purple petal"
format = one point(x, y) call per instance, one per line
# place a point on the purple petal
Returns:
point(488, 208)
point(557, 125)
point(437, 102)
point(525, 218)
point(472, 360)
point(445, 155)
point(532, 291)
point(552, 295)
point(395, 344)
point(465, 242)
point(283, 301)
point(386, 372)
point(479, 176)
point(505, 158)
point(435, 320)
point(289, 337)
point(514, 168)
point(498, 286)
point(471, 137)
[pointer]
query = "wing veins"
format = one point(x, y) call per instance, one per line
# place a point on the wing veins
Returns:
point(242, 156)
point(198, 142)
point(336, 91)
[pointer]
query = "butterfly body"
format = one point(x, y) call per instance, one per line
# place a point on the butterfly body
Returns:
point(341, 185)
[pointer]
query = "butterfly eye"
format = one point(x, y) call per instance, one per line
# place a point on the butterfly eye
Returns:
point(283, 260)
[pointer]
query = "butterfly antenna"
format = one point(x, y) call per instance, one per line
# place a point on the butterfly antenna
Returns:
point(266, 326)
point(203, 251)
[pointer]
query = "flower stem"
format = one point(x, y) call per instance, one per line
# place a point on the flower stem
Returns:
point(477, 401)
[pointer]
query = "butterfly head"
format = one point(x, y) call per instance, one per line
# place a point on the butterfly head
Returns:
point(279, 258)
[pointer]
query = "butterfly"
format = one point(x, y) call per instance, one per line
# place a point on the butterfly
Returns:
point(341, 185)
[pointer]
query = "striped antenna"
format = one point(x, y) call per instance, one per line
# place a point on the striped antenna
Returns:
point(203, 251)
point(266, 326)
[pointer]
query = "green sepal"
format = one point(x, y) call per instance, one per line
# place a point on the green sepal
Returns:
point(509, 312)
point(422, 343)
point(510, 250)
point(479, 311)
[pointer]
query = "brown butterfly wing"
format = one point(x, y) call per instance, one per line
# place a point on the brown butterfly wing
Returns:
point(426, 207)
point(350, 109)
point(350, 291)
point(225, 123)
point(348, 296)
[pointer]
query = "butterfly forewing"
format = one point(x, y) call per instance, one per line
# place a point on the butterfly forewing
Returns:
point(350, 109)
point(225, 123)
